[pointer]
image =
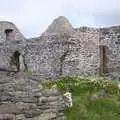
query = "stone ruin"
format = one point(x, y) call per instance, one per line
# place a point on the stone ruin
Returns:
point(60, 51)
point(22, 95)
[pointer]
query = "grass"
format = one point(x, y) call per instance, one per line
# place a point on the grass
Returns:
point(93, 99)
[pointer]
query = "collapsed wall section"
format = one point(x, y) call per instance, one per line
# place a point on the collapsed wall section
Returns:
point(22, 97)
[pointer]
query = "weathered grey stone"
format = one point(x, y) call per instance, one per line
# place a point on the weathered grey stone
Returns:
point(37, 94)
point(48, 93)
point(47, 116)
point(9, 108)
point(23, 106)
point(20, 117)
point(33, 113)
point(21, 59)
point(51, 99)
point(7, 117)
point(30, 103)
point(43, 99)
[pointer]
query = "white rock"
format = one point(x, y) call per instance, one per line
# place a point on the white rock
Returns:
point(68, 99)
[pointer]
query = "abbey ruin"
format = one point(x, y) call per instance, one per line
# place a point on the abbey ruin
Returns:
point(61, 50)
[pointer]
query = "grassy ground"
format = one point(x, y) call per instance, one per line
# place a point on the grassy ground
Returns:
point(93, 99)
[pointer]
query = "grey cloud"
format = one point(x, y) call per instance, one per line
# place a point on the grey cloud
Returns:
point(108, 19)
point(33, 16)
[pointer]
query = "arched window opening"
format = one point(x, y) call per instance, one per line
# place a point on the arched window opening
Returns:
point(9, 34)
point(15, 60)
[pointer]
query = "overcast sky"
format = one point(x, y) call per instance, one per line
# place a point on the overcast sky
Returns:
point(32, 17)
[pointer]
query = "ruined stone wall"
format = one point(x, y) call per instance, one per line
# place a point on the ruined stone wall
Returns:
point(110, 38)
point(22, 97)
point(83, 58)
point(44, 55)
point(64, 54)
point(64, 50)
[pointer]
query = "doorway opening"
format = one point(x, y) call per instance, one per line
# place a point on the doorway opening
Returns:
point(103, 59)
point(15, 61)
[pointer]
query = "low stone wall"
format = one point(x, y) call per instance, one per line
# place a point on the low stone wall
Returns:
point(23, 98)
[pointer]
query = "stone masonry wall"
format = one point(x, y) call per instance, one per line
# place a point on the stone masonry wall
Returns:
point(44, 55)
point(83, 58)
point(64, 50)
point(64, 54)
point(110, 38)
point(23, 98)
